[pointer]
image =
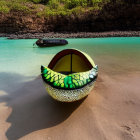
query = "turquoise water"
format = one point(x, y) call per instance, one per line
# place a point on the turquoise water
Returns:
point(27, 111)
point(19, 56)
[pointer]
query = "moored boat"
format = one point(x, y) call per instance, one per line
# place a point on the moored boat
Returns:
point(51, 42)
point(70, 76)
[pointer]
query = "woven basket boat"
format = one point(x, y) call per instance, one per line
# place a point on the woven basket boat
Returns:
point(70, 76)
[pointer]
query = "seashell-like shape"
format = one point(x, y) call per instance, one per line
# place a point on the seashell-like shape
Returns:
point(70, 76)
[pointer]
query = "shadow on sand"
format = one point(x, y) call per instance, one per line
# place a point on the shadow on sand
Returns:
point(32, 108)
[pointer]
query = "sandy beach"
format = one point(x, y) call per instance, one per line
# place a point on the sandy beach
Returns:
point(110, 112)
point(106, 30)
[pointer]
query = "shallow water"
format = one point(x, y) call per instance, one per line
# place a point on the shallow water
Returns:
point(111, 54)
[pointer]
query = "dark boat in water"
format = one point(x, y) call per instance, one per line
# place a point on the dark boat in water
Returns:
point(51, 42)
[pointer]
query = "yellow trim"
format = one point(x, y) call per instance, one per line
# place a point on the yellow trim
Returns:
point(88, 57)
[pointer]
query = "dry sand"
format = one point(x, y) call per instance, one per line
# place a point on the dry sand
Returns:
point(110, 112)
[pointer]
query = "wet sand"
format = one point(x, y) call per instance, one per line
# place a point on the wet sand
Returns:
point(110, 112)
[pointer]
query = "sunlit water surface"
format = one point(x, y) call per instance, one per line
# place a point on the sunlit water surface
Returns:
point(113, 55)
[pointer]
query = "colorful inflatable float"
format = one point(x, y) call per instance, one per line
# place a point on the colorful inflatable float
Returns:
point(70, 76)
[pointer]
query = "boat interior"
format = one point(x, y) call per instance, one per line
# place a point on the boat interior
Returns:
point(70, 61)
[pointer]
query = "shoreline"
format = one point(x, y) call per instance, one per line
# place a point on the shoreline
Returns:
point(111, 110)
point(71, 35)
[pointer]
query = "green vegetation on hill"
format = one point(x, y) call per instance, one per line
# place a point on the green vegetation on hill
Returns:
point(54, 7)
point(68, 15)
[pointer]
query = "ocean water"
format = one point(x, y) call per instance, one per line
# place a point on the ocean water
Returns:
point(112, 55)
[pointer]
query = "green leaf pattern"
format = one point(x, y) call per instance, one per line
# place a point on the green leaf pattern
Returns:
point(71, 81)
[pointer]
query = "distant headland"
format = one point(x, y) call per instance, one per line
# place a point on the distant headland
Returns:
point(83, 17)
